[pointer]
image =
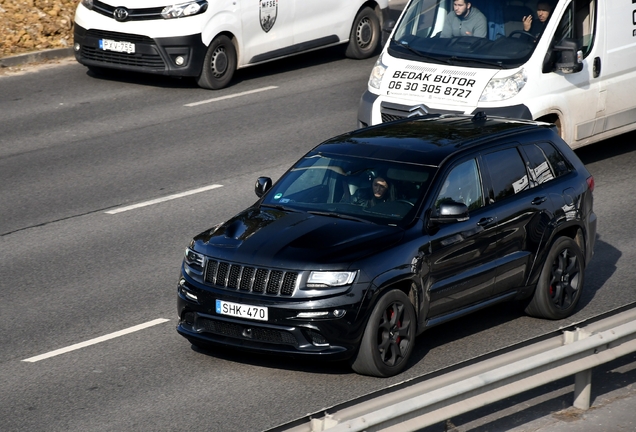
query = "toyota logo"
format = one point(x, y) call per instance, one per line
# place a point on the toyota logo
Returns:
point(121, 14)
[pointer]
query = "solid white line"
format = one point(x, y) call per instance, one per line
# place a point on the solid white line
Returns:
point(231, 96)
point(96, 340)
point(167, 198)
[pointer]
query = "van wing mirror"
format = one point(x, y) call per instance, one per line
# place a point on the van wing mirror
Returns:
point(387, 28)
point(263, 184)
point(569, 56)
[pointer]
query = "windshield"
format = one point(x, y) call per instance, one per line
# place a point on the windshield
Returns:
point(353, 188)
point(485, 33)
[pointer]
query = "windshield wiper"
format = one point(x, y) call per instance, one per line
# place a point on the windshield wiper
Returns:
point(281, 207)
point(339, 216)
point(406, 45)
point(474, 60)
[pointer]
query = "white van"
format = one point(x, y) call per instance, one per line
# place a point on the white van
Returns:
point(210, 39)
point(579, 72)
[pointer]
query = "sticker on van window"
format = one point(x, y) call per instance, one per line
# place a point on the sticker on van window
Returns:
point(278, 196)
point(268, 9)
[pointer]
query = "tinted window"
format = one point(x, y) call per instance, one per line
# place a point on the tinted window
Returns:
point(463, 185)
point(375, 190)
point(538, 166)
point(557, 162)
point(544, 163)
point(507, 173)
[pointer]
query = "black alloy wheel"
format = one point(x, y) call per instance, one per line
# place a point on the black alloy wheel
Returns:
point(388, 338)
point(561, 281)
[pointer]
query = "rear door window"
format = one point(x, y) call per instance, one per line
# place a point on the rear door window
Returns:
point(508, 173)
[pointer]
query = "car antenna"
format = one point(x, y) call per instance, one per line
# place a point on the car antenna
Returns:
point(480, 116)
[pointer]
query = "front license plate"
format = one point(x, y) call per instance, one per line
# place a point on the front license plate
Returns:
point(118, 46)
point(241, 310)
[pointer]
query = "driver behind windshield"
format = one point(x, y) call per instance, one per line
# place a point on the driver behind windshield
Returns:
point(380, 192)
point(465, 20)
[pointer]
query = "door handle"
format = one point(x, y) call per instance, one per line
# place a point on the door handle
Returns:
point(485, 221)
point(539, 200)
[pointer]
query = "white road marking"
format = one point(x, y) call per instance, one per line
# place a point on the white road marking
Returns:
point(245, 93)
point(96, 340)
point(167, 198)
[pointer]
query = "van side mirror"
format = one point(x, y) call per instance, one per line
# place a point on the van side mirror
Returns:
point(570, 58)
point(263, 184)
point(387, 28)
point(449, 212)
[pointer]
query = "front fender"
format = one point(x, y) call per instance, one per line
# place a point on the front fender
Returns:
point(224, 21)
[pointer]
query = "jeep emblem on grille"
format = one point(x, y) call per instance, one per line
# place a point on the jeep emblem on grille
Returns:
point(120, 14)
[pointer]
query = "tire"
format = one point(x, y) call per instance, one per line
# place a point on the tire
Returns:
point(560, 283)
point(388, 338)
point(365, 35)
point(219, 64)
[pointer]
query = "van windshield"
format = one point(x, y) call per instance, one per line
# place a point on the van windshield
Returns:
point(485, 33)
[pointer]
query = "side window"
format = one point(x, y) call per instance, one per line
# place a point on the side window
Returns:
point(538, 166)
point(578, 23)
point(544, 163)
point(557, 162)
point(507, 173)
point(463, 185)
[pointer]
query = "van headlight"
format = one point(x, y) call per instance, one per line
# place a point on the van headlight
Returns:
point(328, 279)
point(375, 79)
point(184, 9)
point(504, 88)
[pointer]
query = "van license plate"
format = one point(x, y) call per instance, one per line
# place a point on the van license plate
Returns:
point(241, 310)
point(117, 46)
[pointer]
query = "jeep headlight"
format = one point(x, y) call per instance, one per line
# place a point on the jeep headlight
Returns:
point(499, 89)
point(375, 79)
point(183, 9)
point(328, 279)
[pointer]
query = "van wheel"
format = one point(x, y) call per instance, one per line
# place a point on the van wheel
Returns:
point(561, 281)
point(388, 338)
point(365, 35)
point(219, 64)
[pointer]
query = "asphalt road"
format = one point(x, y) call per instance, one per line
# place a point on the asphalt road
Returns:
point(74, 147)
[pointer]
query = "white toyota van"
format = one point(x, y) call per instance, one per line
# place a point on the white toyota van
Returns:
point(210, 39)
point(577, 70)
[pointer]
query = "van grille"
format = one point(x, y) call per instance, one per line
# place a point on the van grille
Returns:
point(133, 14)
point(146, 60)
point(250, 279)
point(391, 111)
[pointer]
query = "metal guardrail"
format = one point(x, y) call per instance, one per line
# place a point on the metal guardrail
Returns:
point(463, 390)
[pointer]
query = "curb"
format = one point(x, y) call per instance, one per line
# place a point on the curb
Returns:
point(34, 57)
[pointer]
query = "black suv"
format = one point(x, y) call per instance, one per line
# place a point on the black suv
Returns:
point(376, 235)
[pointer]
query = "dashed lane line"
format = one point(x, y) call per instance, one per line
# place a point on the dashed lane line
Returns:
point(96, 340)
point(160, 200)
point(235, 95)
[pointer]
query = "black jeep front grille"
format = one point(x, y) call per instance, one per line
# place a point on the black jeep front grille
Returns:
point(250, 279)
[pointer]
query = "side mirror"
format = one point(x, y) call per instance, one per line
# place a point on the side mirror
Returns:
point(263, 184)
point(449, 212)
point(388, 25)
point(570, 58)
point(387, 28)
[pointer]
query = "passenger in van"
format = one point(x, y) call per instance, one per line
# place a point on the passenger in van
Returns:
point(536, 27)
point(465, 20)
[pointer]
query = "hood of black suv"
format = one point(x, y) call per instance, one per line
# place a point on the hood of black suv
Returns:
point(270, 237)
